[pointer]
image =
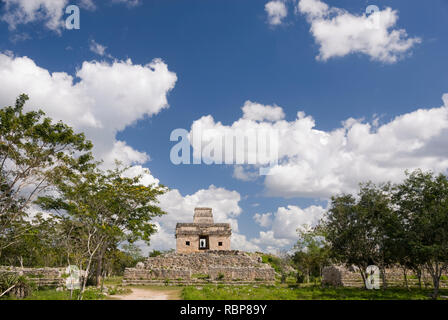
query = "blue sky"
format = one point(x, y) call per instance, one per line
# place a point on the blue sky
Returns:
point(224, 53)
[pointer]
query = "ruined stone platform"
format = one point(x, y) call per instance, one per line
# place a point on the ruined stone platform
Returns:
point(235, 267)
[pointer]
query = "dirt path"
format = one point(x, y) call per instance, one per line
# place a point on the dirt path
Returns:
point(150, 294)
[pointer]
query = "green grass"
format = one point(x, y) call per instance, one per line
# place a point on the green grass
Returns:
point(222, 292)
point(113, 281)
point(49, 294)
point(52, 294)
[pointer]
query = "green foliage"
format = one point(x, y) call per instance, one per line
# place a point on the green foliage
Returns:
point(91, 293)
point(154, 253)
point(14, 285)
point(273, 261)
point(103, 208)
point(405, 224)
point(311, 256)
point(33, 150)
point(357, 229)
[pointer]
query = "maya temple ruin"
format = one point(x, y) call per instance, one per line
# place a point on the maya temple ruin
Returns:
point(203, 234)
point(203, 254)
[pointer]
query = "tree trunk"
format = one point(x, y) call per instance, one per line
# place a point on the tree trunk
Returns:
point(363, 275)
point(405, 274)
point(383, 277)
point(419, 277)
point(436, 281)
point(99, 266)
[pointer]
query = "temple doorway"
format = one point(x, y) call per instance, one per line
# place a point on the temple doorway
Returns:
point(203, 243)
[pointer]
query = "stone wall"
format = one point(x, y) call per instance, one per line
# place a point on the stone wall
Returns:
point(351, 277)
point(207, 266)
point(42, 277)
point(181, 243)
point(200, 262)
point(153, 274)
point(242, 273)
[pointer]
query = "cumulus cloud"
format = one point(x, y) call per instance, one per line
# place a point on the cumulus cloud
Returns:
point(339, 33)
point(276, 11)
point(258, 112)
point(317, 164)
point(18, 12)
point(264, 220)
point(103, 98)
point(244, 175)
point(284, 226)
point(49, 12)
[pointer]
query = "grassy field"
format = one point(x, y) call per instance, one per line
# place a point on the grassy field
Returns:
point(226, 292)
point(222, 292)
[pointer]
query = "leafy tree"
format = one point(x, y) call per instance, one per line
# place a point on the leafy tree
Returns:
point(422, 205)
point(346, 231)
point(375, 205)
point(312, 253)
point(32, 148)
point(108, 207)
point(360, 230)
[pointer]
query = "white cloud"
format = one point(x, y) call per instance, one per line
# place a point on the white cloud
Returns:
point(130, 3)
point(288, 219)
point(316, 163)
point(97, 48)
point(339, 33)
point(241, 174)
point(264, 220)
point(258, 112)
point(26, 11)
point(267, 239)
point(87, 4)
point(284, 223)
point(104, 99)
point(50, 12)
point(276, 11)
point(240, 242)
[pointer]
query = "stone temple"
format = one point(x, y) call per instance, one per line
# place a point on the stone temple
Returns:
point(202, 255)
point(203, 234)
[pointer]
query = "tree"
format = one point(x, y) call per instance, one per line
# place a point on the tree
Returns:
point(32, 147)
point(360, 231)
point(375, 206)
point(312, 253)
point(422, 205)
point(346, 230)
point(109, 207)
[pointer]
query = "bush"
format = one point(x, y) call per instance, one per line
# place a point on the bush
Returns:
point(15, 285)
point(89, 294)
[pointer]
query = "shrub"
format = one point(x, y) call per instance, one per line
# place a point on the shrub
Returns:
point(15, 285)
point(89, 294)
